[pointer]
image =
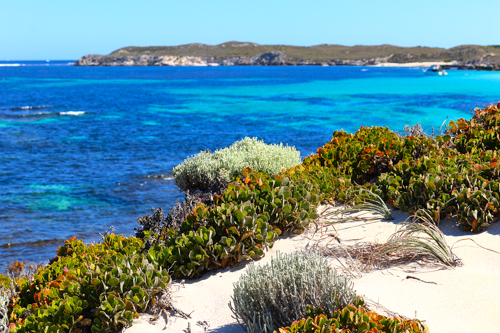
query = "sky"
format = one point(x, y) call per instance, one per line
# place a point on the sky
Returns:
point(69, 29)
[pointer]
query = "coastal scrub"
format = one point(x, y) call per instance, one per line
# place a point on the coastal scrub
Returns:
point(99, 288)
point(102, 287)
point(271, 296)
point(198, 171)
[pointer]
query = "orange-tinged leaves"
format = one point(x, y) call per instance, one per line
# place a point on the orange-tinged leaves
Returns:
point(247, 235)
point(233, 230)
point(37, 297)
point(54, 284)
point(488, 205)
point(247, 180)
point(224, 262)
point(436, 215)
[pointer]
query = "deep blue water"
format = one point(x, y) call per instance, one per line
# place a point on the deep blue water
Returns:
point(79, 145)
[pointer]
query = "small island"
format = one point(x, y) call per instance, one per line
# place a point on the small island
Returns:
point(251, 54)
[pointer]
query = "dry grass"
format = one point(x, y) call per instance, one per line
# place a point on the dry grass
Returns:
point(417, 242)
point(369, 202)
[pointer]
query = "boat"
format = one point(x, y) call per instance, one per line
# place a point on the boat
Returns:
point(435, 70)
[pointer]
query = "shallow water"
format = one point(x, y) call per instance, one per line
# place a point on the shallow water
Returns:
point(80, 146)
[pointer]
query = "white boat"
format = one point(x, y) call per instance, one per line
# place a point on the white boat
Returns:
point(435, 70)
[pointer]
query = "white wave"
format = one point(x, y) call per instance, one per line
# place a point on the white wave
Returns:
point(72, 113)
point(29, 107)
point(10, 65)
point(164, 177)
point(34, 114)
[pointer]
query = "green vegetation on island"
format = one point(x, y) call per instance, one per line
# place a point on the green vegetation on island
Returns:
point(323, 51)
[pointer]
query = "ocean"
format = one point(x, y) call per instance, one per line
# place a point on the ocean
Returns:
point(83, 149)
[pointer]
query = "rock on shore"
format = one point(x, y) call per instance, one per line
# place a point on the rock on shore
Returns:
point(275, 58)
point(265, 59)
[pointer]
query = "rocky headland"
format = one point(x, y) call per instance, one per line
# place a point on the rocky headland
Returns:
point(251, 54)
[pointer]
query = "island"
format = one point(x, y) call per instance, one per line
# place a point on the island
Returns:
point(251, 54)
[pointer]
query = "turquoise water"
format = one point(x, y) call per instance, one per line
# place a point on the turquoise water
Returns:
point(83, 149)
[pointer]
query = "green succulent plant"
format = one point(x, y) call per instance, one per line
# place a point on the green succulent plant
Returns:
point(354, 319)
point(100, 287)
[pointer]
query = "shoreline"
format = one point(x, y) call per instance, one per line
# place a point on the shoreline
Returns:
point(424, 64)
point(180, 62)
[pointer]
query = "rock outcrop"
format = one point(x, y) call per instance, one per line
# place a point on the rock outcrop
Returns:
point(143, 60)
point(266, 59)
point(275, 58)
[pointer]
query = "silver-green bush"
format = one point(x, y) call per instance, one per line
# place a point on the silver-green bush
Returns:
point(4, 302)
point(274, 295)
point(198, 171)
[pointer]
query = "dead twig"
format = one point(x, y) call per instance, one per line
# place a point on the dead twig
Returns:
point(421, 243)
point(476, 244)
point(415, 278)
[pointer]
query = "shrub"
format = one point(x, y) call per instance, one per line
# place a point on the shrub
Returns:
point(368, 153)
point(100, 287)
point(479, 133)
point(355, 319)
point(4, 281)
point(198, 171)
point(274, 295)
point(158, 222)
point(447, 182)
point(4, 303)
point(243, 222)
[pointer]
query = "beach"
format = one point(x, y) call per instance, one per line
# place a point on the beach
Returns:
point(415, 64)
point(456, 299)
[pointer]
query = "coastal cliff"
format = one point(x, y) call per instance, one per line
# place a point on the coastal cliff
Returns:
point(251, 54)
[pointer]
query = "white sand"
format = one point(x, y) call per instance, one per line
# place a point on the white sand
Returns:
point(414, 64)
point(464, 299)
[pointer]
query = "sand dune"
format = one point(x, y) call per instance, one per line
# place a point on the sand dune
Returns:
point(460, 299)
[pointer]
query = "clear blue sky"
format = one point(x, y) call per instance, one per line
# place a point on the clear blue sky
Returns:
point(68, 29)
